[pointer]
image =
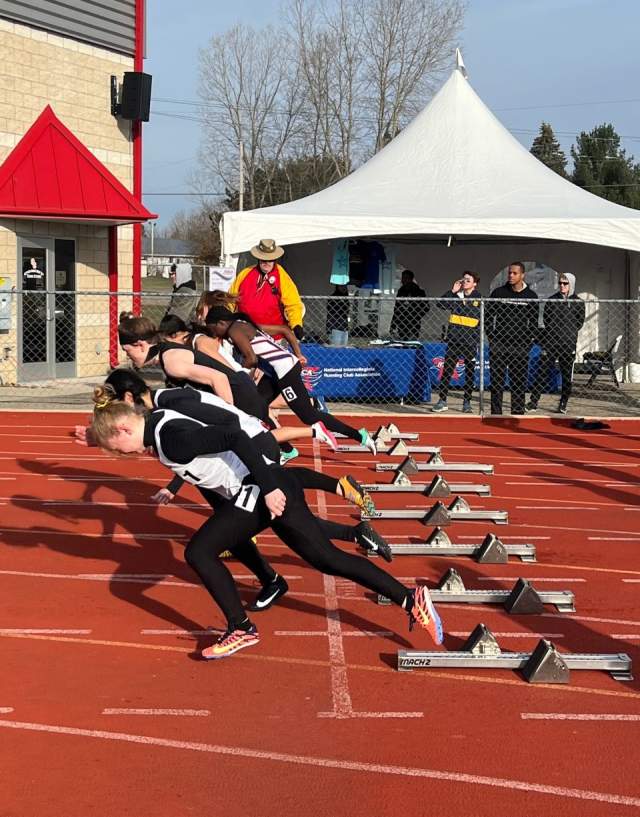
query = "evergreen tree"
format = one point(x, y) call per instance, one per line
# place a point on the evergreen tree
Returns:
point(547, 148)
point(601, 166)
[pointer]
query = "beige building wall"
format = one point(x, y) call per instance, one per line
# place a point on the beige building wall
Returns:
point(40, 69)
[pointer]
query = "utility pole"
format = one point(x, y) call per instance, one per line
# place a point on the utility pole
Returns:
point(241, 193)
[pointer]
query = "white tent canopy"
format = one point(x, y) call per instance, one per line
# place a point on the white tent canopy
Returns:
point(454, 170)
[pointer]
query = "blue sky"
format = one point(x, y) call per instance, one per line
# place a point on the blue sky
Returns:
point(529, 60)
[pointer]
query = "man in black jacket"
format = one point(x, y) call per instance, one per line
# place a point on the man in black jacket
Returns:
point(407, 316)
point(563, 317)
point(462, 337)
point(511, 328)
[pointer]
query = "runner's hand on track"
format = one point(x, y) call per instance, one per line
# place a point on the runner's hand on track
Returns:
point(276, 502)
point(163, 497)
point(84, 435)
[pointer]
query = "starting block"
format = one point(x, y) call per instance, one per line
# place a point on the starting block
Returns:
point(397, 449)
point(438, 487)
point(490, 551)
point(458, 511)
point(522, 599)
point(392, 432)
point(545, 665)
point(435, 463)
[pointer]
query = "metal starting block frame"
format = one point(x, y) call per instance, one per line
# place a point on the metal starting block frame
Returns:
point(458, 511)
point(490, 551)
point(397, 449)
point(435, 463)
point(545, 665)
point(522, 599)
point(392, 432)
point(438, 487)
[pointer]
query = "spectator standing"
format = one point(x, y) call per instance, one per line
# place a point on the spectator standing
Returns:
point(512, 324)
point(407, 316)
point(563, 316)
point(462, 337)
point(266, 293)
point(183, 296)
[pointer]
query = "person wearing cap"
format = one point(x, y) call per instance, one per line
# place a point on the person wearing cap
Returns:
point(266, 292)
point(563, 316)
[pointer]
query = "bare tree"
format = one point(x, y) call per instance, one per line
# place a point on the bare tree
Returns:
point(311, 101)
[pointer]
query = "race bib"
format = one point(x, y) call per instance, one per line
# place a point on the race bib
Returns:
point(289, 394)
point(247, 498)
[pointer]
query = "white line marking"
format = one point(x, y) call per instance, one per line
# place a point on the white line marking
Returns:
point(354, 633)
point(631, 581)
point(630, 636)
point(553, 508)
point(41, 631)
point(533, 579)
point(210, 631)
point(142, 578)
point(565, 716)
point(37, 532)
point(374, 769)
point(526, 461)
point(6, 709)
point(572, 482)
point(465, 634)
point(342, 704)
point(613, 538)
point(571, 617)
point(198, 713)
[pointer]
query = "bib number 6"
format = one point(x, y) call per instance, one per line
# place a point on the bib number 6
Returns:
point(247, 498)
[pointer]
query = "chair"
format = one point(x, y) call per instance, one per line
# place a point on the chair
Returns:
point(595, 363)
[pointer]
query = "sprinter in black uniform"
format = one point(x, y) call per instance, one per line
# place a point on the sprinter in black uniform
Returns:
point(256, 495)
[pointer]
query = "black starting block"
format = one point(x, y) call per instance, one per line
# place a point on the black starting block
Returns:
point(435, 463)
point(545, 665)
point(458, 511)
point(522, 599)
point(438, 487)
point(490, 551)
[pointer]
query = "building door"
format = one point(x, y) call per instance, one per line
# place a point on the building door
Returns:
point(47, 313)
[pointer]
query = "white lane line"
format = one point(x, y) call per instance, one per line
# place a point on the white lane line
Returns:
point(465, 634)
point(340, 764)
point(622, 636)
point(325, 633)
point(567, 716)
point(210, 631)
point(43, 631)
point(613, 538)
point(553, 508)
point(631, 581)
point(141, 578)
point(571, 617)
point(631, 509)
point(5, 710)
point(572, 482)
point(196, 713)
point(532, 579)
point(37, 532)
point(342, 704)
point(526, 461)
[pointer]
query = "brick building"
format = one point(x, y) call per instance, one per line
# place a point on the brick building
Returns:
point(70, 183)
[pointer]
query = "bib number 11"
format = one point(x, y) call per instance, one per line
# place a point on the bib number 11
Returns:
point(247, 498)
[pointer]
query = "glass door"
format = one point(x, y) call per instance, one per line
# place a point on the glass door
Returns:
point(47, 319)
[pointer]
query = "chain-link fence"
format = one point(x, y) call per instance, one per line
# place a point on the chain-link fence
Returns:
point(578, 356)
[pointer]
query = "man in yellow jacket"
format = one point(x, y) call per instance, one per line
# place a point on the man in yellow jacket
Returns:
point(265, 291)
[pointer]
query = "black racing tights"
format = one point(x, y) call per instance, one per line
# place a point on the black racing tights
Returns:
point(297, 398)
point(238, 519)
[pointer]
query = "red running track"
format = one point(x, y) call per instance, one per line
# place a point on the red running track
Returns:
point(105, 710)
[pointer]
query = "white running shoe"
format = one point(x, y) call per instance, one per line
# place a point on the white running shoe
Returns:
point(367, 440)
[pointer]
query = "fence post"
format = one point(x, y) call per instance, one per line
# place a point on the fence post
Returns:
point(481, 354)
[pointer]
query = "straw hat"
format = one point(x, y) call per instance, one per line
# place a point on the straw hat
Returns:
point(267, 250)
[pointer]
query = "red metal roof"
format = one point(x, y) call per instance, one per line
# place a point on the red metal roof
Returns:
point(51, 174)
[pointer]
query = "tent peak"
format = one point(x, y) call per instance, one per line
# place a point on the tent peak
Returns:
point(460, 64)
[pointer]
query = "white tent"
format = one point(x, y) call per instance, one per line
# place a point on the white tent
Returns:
point(455, 170)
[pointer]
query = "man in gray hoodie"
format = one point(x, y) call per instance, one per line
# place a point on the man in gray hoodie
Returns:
point(184, 296)
point(563, 317)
